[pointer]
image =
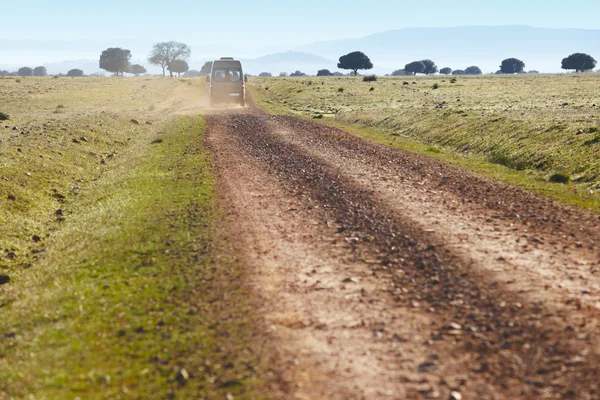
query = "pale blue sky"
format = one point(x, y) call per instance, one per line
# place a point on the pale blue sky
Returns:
point(264, 24)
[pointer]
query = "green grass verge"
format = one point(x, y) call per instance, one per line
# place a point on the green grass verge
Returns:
point(275, 102)
point(126, 291)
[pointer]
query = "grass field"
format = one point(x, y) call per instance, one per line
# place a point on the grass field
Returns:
point(109, 234)
point(539, 124)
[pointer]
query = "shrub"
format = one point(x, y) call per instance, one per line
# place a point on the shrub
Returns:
point(340, 90)
point(369, 78)
point(4, 116)
point(453, 80)
point(371, 89)
point(559, 177)
point(435, 86)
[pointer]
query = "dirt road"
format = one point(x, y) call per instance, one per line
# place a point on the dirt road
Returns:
point(385, 274)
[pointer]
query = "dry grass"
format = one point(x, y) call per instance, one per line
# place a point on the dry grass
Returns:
point(106, 230)
point(539, 124)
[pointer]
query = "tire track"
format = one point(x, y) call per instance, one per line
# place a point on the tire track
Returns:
point(518, 348)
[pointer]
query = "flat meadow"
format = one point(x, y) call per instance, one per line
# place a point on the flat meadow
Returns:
point(547, 126)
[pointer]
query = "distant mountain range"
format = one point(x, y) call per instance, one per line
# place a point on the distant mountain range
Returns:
point(485, 46)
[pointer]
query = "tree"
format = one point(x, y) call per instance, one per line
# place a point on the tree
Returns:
point(355, 61)
point(164, 53)
point(205, 70)
point(473, 70)
point(192, 73)
point(399, 72)
point(4, 73)
point(533, 71)
point(458, 72)
point(40, 71)
point(430, 67)
point(25, 71)
point(297, 73)
point(512, 66)
point(446, 71)
point(179, 67)
point(76, 72)
point(283, 74)
point(324, 72)
point(338, 73)
point(415, 67)
point(137, 69)
point(115, 60)
point(579, 62)
point(265, 74)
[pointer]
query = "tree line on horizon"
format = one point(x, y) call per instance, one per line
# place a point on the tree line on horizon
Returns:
point(357, 60)
point(173, 56)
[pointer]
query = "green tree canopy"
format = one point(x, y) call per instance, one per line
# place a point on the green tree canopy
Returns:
point(446, 71)
point(115, 60)
point(75, 72)
point(137, 69)
point(579, 62)
point(324, 72)
point(458, 72)
point(472, 70)
point(179, 67)
point(40, 71)
point(415, 67)
point(430, 67)
point(25, 71)
point(164, 53)
point(355, 61)
point(205, 70)
point(512, 66)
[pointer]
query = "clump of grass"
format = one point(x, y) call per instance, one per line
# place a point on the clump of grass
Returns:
point(4, 116)
point(60, 106)
point(369, 78)
point(432, 149)
point(18, 80)
point(594, 140)
point(453, 80)
point(371, 89)
point(592, 129)
point(340, 90)
point(559, 177)
point(435, 86)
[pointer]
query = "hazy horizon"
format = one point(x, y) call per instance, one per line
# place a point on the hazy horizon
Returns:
point(389, 49)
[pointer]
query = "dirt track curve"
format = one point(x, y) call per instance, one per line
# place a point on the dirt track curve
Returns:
point(386, 274)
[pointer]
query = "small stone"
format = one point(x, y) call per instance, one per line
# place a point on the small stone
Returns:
point(83, 139)
point(427, 366)
point(454, 395)
point(454, 326)
point(4, 279)
point(182, 375)
point(135, 122)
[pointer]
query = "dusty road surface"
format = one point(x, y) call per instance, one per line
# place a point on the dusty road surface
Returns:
point(385, 274)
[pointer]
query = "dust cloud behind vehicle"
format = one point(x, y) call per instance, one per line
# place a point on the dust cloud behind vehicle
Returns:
point(227, 82)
